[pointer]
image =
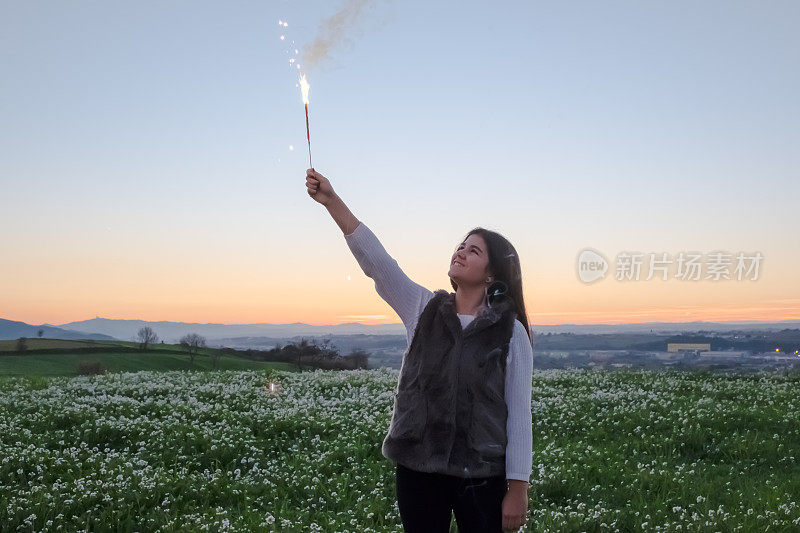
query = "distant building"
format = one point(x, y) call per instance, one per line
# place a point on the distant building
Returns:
point(688, 347)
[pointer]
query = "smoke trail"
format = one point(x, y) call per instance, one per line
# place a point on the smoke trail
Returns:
point(333, 31)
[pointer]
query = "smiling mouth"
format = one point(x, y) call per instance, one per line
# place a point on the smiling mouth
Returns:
point(458, 263)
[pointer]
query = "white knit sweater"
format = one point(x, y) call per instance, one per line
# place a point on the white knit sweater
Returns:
point(408, 299)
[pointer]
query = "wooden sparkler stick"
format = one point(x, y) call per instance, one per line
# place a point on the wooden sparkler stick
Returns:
point(308, 136)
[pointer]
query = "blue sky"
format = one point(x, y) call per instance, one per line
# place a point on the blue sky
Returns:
point(136, 131)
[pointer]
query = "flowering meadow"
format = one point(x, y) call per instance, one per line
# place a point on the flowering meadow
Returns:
point(613, 450)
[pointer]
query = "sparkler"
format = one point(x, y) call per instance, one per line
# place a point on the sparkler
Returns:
point(304, 87)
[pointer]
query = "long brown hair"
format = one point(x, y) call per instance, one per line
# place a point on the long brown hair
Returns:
point(504, 266)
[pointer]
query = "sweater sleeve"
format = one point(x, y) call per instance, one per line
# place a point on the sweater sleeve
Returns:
point(407, 298)
point(519, 426)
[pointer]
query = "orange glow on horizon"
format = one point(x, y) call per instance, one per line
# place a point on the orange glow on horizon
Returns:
point(261, 291)
point(553, 318)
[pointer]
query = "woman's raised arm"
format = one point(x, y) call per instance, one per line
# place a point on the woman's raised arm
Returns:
point(320, 189)
point(406, 297)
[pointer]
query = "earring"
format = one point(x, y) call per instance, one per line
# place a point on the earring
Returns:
point(496, 291)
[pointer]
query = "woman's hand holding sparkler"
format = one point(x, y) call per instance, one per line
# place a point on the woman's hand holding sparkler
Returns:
point(320, 189)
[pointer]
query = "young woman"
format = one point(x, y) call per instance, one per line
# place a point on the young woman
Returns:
point(461, 430)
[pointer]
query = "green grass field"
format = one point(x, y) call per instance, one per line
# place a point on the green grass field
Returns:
point(159, 357)
point(220, 451)
point(35, 343)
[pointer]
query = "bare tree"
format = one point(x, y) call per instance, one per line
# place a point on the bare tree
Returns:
point(40, 333)
point(359, 358)
point(215, 356)
point(146, 336)
point(193, 342)
point(303, 348)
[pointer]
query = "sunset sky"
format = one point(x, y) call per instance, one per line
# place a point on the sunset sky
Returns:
point(153, 155)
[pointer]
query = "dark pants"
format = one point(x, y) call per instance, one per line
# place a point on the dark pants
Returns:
point(427, 501)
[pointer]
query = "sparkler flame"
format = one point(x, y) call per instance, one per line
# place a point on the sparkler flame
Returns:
point(304, 87)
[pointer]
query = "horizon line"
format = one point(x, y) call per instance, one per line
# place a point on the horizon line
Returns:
point(753, 321)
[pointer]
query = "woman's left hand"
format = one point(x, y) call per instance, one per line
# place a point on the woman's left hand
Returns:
point(515, 508)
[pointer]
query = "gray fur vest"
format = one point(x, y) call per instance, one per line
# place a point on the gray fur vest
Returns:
point(449, 409)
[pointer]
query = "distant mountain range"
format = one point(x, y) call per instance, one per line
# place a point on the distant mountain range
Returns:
point(10, 329)
point(173, 331)
point(670, 327)
point(262, 333)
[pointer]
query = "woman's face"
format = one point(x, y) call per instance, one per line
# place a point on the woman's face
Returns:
point(470, 261)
